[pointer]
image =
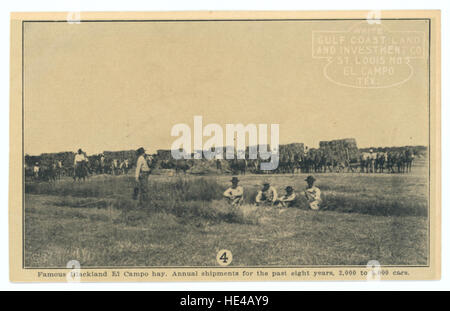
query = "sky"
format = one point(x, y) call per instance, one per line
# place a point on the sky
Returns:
point(119, 86)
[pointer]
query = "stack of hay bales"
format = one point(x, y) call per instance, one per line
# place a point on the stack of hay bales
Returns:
point(121, 155)
point(293, 148)
point(162, 154)
point(66, 158)
point(340, 149)
point(49, 158)
point(257, 148)
point(203, 167)
point(30, 160)
point(289, 151)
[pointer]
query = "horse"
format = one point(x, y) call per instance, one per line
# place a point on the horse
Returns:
point(285, 164)
point(124, 166)
point(367, 162)
point(380, 160)
point(219, 165)
point(297, 163)
point(391, 162)
point(328, 162)
point(254, 166)
point(238, 166)
point(48, 173)
point(29, 174)
point(409, 157)
point(114, 167)
point(80, 171)
point(305, 163)
point(182, 165)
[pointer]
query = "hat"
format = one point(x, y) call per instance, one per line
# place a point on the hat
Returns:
point(289, 188)
point(234, 179)
point(140, 150)
point(265, 182)
point(310, 178)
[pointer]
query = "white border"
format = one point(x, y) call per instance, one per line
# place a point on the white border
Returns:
point(192, 5)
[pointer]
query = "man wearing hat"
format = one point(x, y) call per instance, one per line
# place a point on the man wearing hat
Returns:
point(267, 195)
point(234, 194)
point(141, 176)
point(79, 164)
point(312, 194)
point(80, 157)
point(288, 199)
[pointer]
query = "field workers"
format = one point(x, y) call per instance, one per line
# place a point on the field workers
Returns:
point(381, 217)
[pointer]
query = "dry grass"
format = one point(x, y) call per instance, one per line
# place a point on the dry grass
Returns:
point(185, 223)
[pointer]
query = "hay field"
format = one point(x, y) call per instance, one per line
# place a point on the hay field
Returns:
point(185, 223)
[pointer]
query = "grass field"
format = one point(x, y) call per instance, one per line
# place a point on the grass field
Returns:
point(185, 223)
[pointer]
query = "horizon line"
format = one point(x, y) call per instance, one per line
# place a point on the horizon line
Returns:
point(224, 147)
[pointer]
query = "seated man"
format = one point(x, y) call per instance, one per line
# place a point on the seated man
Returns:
point(234, 194)
point(312, 194)
point(288, 199)
point(267, 195)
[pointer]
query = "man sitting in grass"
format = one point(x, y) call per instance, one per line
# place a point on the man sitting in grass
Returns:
point(288, 199)
point(234, 194)
point(267, 195)
point(312, 194)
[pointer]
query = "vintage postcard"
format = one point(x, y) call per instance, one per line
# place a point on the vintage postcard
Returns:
point(225, 146)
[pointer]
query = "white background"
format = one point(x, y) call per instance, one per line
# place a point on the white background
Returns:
point(180, 5)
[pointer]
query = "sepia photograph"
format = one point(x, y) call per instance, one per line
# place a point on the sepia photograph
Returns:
point(206, 142)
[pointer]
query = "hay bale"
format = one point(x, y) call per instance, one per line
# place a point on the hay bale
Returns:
point(121, 155)
point(289, 151)
point(340, 149)
point(163, 154)
point(203, 167)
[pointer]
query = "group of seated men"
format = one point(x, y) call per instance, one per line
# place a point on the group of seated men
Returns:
point(268, 196)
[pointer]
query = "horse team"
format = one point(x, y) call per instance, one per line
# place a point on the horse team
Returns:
point(391, 162)
point(311, 161)
point(317, 161)
point(52, 171)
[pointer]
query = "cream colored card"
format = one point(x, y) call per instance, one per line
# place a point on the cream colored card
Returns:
point(225, 146)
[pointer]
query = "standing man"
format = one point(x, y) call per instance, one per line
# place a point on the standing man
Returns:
point(59, 169)
point(36, 170)
point(102, 164)
point(312, 194)
point(234, 194)
point(267, 195)
point(79, 166)
point(141, 176)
